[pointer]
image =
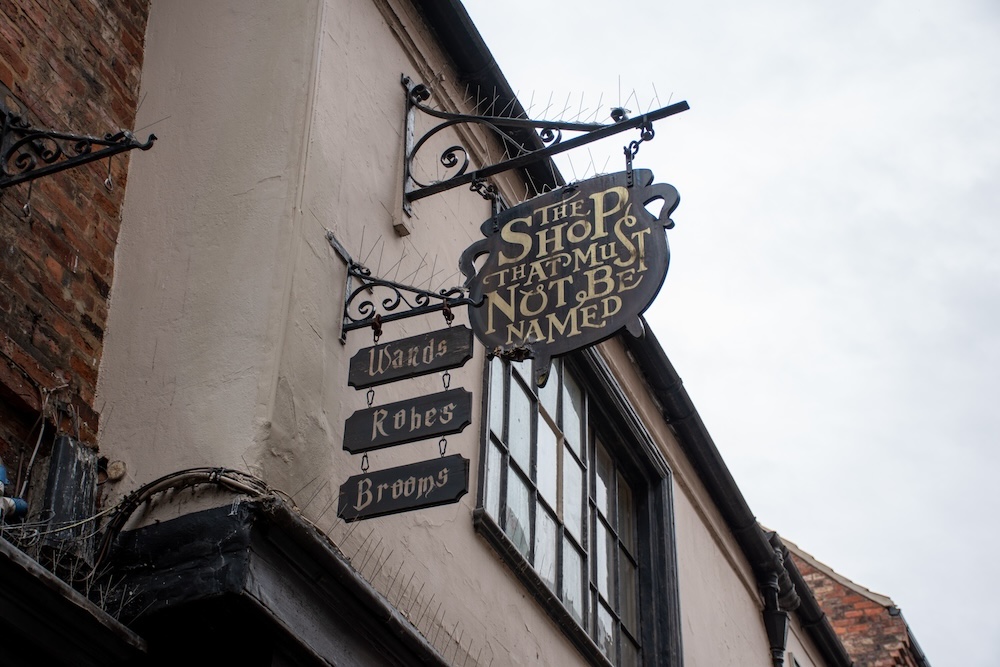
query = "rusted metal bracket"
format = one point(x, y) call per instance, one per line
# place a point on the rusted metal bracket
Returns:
point(27, 153)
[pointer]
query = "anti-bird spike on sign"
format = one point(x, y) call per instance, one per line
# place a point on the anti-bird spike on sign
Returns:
point(569, 268)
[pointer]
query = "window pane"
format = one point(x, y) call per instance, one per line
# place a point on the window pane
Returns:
point(548, 395)
point(604, 480)
point(548, 450)
point(545, 547)
point(628, 591)
point(604, 556)
point(523, 368)
point(496, 397)
point(518, 523)
point(630, 653)
point(572, 413)
point(606, 632)
point(493, 468)
point(573, 587)
point(573, 498)
point(519, 440)
point(626, 515)
point(555, 487)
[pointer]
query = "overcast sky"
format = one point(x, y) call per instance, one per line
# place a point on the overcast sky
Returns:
point(833, 297)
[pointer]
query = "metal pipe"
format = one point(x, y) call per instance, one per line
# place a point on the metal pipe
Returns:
point(10, 507)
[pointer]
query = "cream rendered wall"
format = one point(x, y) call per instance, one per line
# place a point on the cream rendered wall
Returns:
point(721, 618)
point(801, 647)
point(277, 123)
point(207, 233)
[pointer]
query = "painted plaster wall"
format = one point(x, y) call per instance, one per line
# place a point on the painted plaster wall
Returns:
point(206, 233)
point(283, 121)
point(277, 124)
point(801, 647)
point(720, 623)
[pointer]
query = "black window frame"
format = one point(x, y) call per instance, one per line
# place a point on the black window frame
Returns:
point(651, 480)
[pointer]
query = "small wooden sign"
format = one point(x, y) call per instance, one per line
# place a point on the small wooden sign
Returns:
point(443, 413)
point(411, 357)
point(430, 483)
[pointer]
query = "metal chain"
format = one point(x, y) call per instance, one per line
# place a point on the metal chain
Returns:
point(371, 397)
point(443, 446)
point(445, 380)
point(646, 133)
point(364, 463)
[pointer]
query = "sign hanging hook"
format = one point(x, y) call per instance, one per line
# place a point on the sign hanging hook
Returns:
point(26, 209)
point(109, 183)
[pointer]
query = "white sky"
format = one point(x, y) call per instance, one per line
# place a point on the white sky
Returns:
point(833, 298)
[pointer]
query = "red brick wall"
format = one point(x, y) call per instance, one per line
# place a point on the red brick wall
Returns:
point(872, 635)
point(71, 66)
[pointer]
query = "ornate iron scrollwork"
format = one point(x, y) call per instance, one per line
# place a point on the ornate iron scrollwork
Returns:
point(375, 301)
point(455, 158)
point(27, 153)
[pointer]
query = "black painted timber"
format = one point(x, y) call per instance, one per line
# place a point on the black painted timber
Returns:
point(254, 584)
point(410, 357)
point(420, 485)
point(433, 415)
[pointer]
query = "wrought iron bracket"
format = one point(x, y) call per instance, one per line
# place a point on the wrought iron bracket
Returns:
point(364, 308)
point(549, 132)
point(27, 153)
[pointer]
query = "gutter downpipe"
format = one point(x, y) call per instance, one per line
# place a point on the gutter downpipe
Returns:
point(811, 616)
point(775, 573)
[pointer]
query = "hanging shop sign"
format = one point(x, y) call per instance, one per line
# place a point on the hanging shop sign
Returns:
point(411, 357)
point(443, 413)
point(569, 268)
point(439, 481)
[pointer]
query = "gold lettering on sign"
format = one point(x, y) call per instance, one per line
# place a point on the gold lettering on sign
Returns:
point(564, 268)
point(410, 421)
point(395, 357)
point(409, 487)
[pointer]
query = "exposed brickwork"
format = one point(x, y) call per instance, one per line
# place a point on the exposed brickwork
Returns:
point(874, 636)
point(71, 66)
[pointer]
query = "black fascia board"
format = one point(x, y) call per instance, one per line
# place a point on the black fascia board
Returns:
point(258, 556)
point(679, 411)
point(45, 621)
point(475, 66)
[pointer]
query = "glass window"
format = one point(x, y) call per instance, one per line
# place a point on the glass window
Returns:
point(573, 521)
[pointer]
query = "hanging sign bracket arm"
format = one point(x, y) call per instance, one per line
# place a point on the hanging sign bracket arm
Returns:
point(549, 132)
point(393, 301)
